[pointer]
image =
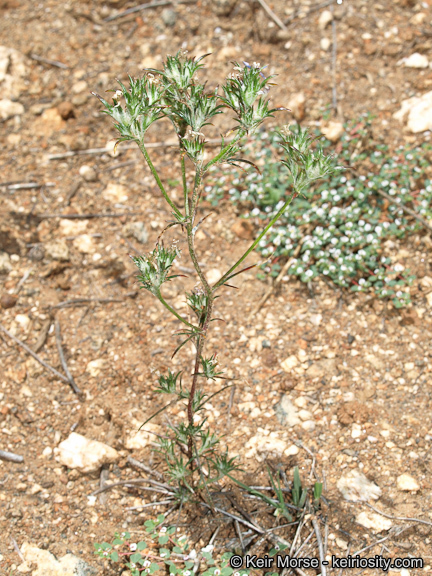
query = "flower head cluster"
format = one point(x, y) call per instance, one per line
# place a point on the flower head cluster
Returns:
point(135, 109)
point(305, 164)
point(154, 269)
point(243, 93)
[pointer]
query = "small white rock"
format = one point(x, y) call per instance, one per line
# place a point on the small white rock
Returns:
point(333, 131)
point(286, 412)
point(88, 173)
point(292, 450)
point(325, 44)
point(5, 264)
point(356, 431)
point(289, 363)
point(79, 87)
point(308, 425)
point(57, 250)
point(48, 565)
point(301, 402)
point(325, 18)
point(355, 487)
point(297, 105)
point(72, 227)
point(315, 319)
point(374, 521)
point(8, 109)
point(23, 320)
point(342, 544)
point(418, 113)
point(85, 455)
point(84, 244)
point(416, 60)
point(94, 367)
point(406, 483)
point(115, 193)
point(305, 415)
point(136, 230)
point(137, 438)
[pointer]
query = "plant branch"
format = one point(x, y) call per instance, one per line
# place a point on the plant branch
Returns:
point(185, 190)
point(255, 243)
point(176, 314)
point(158, 180)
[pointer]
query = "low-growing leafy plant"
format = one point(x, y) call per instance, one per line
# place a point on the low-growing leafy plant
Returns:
point(193, 461)
point(343, 228)
point(162, 551)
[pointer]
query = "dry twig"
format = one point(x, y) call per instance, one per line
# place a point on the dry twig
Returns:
point(49, 62)
point(76, 186)
point(320, 546)
point(11, 457)
point(87, 216)
point(63, 359)
point(334, 56)
point(272, 15)
point(35, 356)
point(146, 6)
point(43, 334)
point(136, 464)
point(17, 548)
point(83, 301)
point(401, 518)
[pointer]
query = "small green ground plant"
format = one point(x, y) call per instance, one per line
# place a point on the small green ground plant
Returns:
point(340, 229)
point(163, 550)
point(175, 95)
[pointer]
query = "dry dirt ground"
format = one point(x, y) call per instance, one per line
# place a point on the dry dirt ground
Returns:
point(362, 370)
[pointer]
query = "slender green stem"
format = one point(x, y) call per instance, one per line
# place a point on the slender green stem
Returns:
point(196, 190)
point(158, 180)
point(194, 259)
point(176, 314)
point(263, 233)
point(185, 190)
point(239, 135)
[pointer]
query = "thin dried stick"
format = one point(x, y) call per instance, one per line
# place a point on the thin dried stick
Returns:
point(81, 301)
point(11, 457)
point(151, 504)
point(379, 541)
point(311, 473)
point(424, 222)
point(297, 552)
point(136, 464)
point(49, 62)
point(237, 527)
point(103, 497)
point(73, 191)
point(272, 15)
point(63, 359)
point(146, 6)
point(17, 548)
point(34, 355)
point(27, 185)
point(87, 216)
point(131, 484)
point(334, 56)
point(402, 518)
point(320, 546)
point(230, 404)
